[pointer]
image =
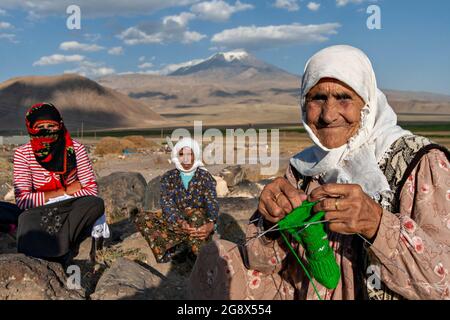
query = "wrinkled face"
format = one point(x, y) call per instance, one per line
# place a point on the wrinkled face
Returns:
point(47, 125)
point(186, 157)
point(333, 112)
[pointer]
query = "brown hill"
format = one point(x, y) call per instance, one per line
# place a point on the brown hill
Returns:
point(79, 99)
point(190, 97)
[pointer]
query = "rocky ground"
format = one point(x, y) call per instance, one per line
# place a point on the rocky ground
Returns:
point(126, 268)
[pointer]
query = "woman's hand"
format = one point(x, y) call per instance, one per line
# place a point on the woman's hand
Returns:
point(278, 199)
point(53, 194)
point(348, 209)
point(73, 188)
point(204, 231)
point(185, 228)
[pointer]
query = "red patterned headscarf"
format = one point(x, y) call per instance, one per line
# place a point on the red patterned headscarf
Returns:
point(53, 149)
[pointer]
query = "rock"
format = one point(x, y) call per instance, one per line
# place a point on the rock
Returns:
point(246, 189)
point(10, 197)
point(153, 194)
point(4, 189)
point(7, 243)
point(25, 278)
point(127, 280)
point(221, 187)
point(265, 182)
point(234, 216)
point(233, 175)
point(123, 193)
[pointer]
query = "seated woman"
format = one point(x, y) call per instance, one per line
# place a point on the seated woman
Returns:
point(385, 193)
point(189, 207)
point(55, 183)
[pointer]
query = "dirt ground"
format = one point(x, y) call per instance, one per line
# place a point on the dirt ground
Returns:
point(152, 162)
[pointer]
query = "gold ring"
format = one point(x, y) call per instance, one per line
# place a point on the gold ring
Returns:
point(336, 205)
point(277, 195)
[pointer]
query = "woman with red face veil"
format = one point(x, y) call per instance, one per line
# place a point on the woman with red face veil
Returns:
point(55, 184)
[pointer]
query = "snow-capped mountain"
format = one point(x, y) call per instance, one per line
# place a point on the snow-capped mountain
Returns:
point(229, 65)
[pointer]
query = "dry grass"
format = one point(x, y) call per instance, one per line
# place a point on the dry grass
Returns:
point(111, 145)
point(6, 171)
point(140, 141)
point(107, 256)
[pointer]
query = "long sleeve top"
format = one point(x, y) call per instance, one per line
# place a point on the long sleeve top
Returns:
point(412, 245)
point(201, 193)
point(30, 176)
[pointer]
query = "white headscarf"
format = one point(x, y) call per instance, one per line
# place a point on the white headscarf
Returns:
point(355, 162)
point(193, 145)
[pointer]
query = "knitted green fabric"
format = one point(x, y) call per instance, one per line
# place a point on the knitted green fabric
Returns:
point(313, 238)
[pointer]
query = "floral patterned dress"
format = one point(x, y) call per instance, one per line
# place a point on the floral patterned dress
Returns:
point(197, 205)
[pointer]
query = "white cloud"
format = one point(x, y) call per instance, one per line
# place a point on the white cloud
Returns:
point(2, 12)
point(92, 37)
point(218, 10)
point(168, 69)
point(58, 59)
point(115, 51)
point(9, 36)
point(94, 8)
point(92, 72)
point(91, 69)
point(290, 5)
point(5, 25)
point(145, 65)
point(77, 46)
point(180, 20)
point(342, 3)
point(313, 6)
point(171, 29)
point(254, 37)
point(141, 58)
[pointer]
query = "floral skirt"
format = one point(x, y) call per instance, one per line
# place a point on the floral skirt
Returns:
point(161, 235)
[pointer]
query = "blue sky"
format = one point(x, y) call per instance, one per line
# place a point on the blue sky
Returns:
point(410, 52)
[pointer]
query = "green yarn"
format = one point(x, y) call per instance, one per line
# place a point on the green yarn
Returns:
point(320, 256)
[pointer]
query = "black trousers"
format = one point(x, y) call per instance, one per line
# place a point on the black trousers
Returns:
point(56, 231)
point(9, 214)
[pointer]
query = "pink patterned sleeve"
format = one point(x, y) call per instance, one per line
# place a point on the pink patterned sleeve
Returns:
point(413, 246)
point(267, 255)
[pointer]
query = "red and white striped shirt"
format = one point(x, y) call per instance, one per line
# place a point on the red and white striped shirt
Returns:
point(30, 176)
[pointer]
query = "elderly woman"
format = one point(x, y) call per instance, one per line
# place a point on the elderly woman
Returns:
point(189, 207)
point(55, 184)
point(385, 193)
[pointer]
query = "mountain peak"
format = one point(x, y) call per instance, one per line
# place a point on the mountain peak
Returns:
point(233, 55)
point(237, 64)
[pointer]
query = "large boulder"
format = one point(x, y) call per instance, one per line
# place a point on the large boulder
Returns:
point(234, 217)
point(25, 278)
point(127, 280)
point(221, 187)
point(153, 194)
point(246, 189)
point(123, 193)
point(233, 175)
